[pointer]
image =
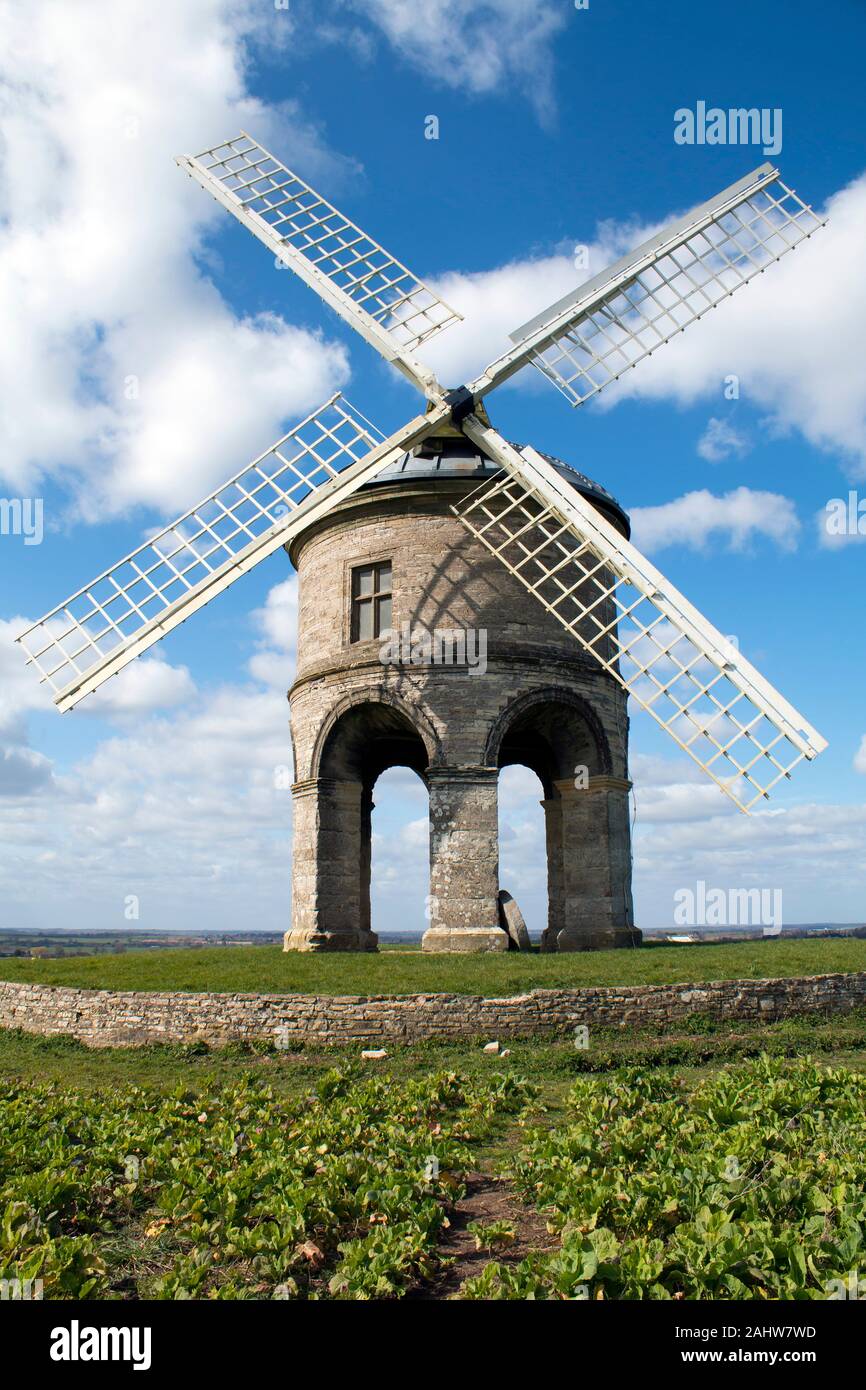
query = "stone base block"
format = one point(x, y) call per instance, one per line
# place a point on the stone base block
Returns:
point(512, 923)
point(464, 939)
point(597, 938)
point(330, 941)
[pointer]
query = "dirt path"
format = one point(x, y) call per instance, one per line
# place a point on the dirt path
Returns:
point(487, 1199)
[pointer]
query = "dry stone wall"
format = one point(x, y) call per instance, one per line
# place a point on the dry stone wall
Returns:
point(104, 1018)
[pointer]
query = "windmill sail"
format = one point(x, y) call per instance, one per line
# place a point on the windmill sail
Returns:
point(623, 315)
point(366, 285)
point(629, 618)
point(104, 626)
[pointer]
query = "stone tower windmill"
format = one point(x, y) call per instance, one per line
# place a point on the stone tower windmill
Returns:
point(475, 677)
point(446, 528)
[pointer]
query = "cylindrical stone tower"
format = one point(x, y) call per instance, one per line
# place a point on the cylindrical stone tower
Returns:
point(418, 648)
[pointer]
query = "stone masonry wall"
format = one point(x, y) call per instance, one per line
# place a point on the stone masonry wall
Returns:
point(103, 1018)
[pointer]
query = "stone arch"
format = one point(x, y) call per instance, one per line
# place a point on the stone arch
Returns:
point(364, 734)
point(554, 732)
point(531, 730)
point(386, 716)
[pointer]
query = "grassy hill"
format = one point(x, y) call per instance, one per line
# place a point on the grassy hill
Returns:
point(267, 969)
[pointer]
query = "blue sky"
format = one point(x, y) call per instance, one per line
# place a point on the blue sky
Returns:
point(555, 130)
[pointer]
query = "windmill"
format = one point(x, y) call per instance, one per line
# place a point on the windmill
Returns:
point(615, 604)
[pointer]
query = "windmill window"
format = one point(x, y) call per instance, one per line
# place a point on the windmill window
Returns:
point(371, 601)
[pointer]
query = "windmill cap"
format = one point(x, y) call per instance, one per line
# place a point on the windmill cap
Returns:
point(452, 457)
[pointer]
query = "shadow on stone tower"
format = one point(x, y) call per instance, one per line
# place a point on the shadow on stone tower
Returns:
point(417, 648)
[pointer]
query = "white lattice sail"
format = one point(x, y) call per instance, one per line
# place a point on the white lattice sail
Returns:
point(105, 625)
point(629, 618)
point(613, 321)
point(361, 280)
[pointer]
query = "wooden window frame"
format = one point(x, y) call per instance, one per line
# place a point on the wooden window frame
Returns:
point(379, 592)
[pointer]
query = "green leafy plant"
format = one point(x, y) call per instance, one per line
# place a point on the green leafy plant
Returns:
point(236, 1192)
point(750, 1186)
point(493, 1234)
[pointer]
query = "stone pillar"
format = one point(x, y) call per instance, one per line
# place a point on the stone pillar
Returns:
point(552, 806)
point(596, 908)
point(464, 861)
point(327, 874)
point(367, 809)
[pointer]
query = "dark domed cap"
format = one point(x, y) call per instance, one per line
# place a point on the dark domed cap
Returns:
point(452, 457)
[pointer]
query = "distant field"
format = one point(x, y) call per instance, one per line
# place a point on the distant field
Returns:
point(267, 969)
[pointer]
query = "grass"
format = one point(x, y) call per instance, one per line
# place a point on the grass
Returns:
point(696, 1045)
point(267, 969)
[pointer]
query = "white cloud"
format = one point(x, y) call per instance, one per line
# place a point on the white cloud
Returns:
point(493, 304)
point(23, 771)
point(478, 46)
point(20, 691)
point(733, 519)
point(185, 805)
point(401, 852)
point(209, 404)
point(278, 618)
point(274, 663)
point(668, 791)
point(809, 843)
point(686, 831)
point(186, 811)
point(680, 801)
point(860, 757)
point(400, 878)
point(519, 787)
point(141, 688)
point(720, 439)
point(132, 380)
